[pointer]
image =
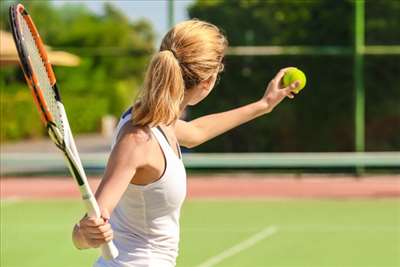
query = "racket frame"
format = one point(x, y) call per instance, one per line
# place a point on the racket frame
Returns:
point(65, 142)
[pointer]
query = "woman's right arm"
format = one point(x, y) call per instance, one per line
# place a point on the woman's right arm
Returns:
point(128, 155)
point(200, 130)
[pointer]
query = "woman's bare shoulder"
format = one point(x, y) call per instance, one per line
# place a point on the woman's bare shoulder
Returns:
point(133, 141)
point(139, 134)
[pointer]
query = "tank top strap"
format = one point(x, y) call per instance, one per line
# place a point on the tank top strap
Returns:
point(126, 117)
point(162, 140)
point(159, 135)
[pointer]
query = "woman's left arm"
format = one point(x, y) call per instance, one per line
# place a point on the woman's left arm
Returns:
point(200, 130)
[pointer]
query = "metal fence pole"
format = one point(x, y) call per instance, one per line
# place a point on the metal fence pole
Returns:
point(359, 114)
point(359, 77)
point(171, 14)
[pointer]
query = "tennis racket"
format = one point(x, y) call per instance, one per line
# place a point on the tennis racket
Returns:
point(41, 80)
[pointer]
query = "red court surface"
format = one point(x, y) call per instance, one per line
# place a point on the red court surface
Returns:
point(227, 187)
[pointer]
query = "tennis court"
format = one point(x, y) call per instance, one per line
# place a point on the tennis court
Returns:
point(242, 228)
point(315, 183)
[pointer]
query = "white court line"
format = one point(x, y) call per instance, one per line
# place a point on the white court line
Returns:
point(300, 228)
point(245, 244)
point(9, 201)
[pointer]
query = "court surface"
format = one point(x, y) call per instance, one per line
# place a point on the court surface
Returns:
point(227, 231)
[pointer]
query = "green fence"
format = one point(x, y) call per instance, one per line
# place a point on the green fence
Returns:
point(359, 50)
point(51, 163)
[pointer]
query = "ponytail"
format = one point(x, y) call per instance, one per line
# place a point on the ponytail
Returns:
point(191, 52)
point(162, 93)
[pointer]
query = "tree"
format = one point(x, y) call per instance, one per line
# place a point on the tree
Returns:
point(114, 53)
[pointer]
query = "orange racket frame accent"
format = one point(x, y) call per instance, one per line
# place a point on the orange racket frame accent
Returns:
point(30, 77)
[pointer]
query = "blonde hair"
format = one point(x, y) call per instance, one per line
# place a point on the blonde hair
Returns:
point(190, 53)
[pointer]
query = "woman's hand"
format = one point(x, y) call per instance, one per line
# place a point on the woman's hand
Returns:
point(95, 231)
point(275, 93)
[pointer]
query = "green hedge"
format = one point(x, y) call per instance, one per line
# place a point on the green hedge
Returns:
point(85, 112)
point(20, 118)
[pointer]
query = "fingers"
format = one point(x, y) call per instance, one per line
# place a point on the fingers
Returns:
point(278, 77)
point(274, 93)
point(95, 243)
point(95, 240)
point(289, 90)
point(100, 235)
point(96, 231)
point(92, 221)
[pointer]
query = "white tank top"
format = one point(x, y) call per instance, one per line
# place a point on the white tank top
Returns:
point(146, 219)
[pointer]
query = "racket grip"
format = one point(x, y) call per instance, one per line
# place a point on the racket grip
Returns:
point(108, 250)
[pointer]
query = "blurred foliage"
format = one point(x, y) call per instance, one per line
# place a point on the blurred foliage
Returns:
point(19, 116)
point(113, 50)
point(321, 118)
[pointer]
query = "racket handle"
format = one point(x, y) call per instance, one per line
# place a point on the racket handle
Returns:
point(108, 250)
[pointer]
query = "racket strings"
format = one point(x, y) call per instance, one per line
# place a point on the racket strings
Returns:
point(42, 76)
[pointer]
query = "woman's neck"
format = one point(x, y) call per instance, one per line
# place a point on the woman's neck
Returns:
point(183, 106)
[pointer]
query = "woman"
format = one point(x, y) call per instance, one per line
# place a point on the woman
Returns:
point(144, 184)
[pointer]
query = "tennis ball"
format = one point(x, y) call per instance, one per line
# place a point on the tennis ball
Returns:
point(292, 75)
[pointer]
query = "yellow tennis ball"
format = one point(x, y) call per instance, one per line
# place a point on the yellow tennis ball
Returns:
point(292, 75)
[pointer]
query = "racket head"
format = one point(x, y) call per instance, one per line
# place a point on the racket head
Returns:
point(38, 71)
